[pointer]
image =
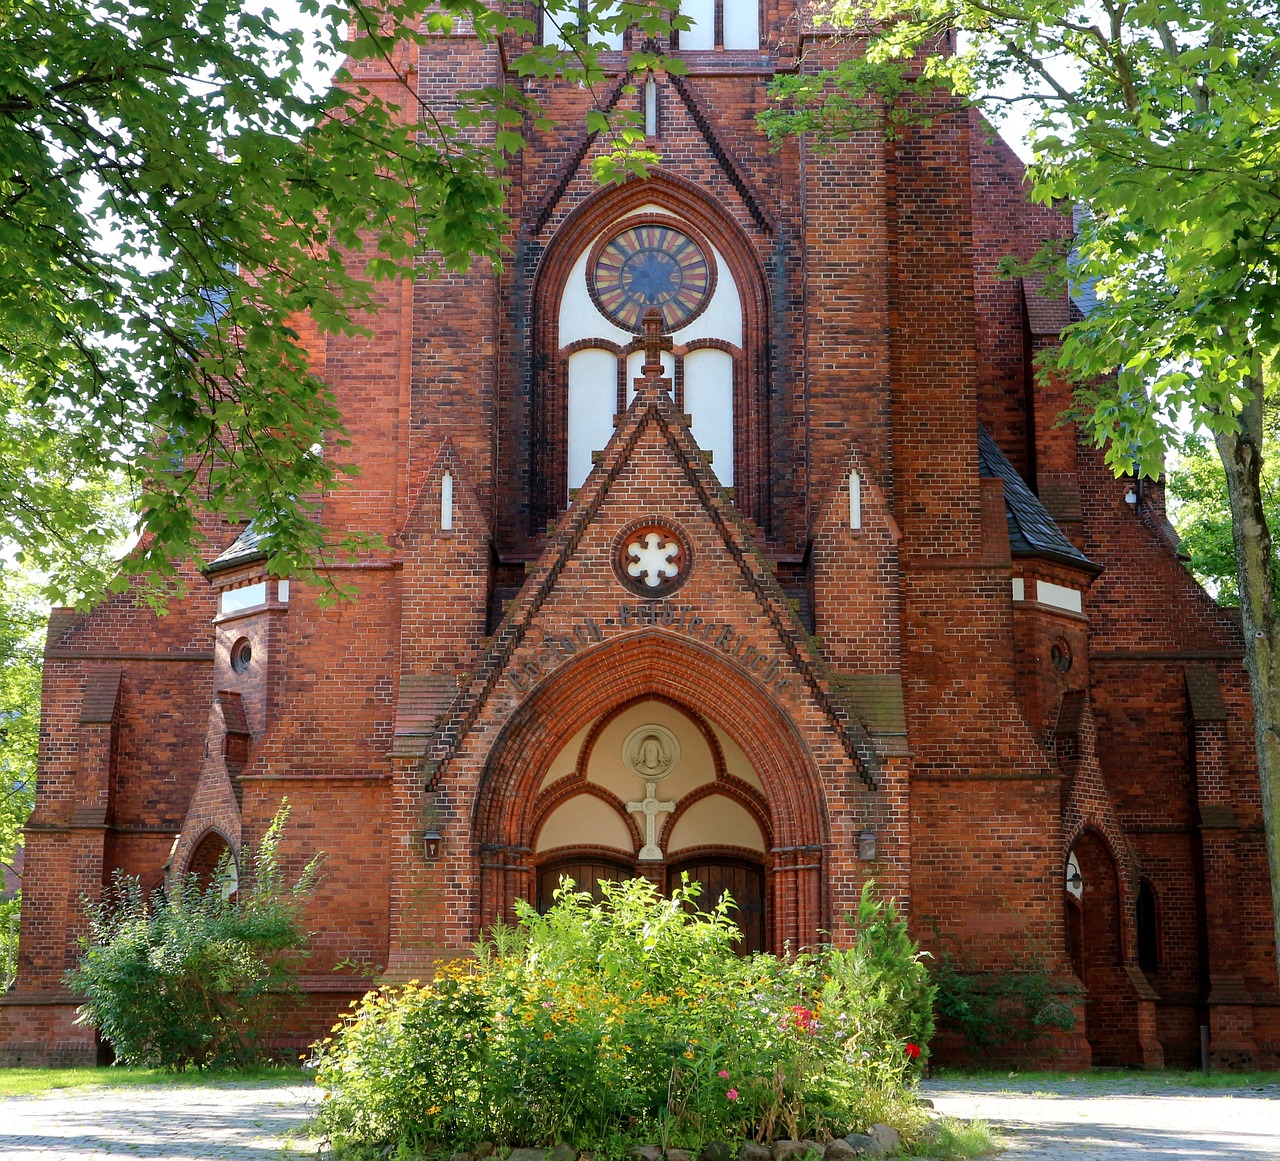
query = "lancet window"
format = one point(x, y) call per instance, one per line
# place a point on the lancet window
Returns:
point(650, 258)
point(717, 24)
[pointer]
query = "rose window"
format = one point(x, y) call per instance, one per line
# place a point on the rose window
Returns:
point(652, 559)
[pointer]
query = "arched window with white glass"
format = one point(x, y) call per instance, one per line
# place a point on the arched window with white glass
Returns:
point(650, 258)
point(719, 24)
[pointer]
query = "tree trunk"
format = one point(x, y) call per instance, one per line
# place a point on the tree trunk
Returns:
point(1241, 453)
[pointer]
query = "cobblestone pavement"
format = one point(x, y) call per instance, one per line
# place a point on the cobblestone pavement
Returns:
point(1121, 1119)
point(1127, 1119)
point(238, 1122)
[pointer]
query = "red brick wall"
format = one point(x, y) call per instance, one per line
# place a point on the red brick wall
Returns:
point(878, 337)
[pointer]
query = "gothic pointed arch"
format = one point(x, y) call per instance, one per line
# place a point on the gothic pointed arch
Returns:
point(740, 359)
point(652, 665)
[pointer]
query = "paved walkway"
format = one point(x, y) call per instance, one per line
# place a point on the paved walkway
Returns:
point(235, 1122)
point(1132, 1118)
point(1129, 1119)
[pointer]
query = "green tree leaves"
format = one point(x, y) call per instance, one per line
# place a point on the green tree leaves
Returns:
point(173, 197)
point(22, 618)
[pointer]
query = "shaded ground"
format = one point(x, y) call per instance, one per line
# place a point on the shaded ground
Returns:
point(235, 1121)
point(1127, 1117)
point(1130, 1117)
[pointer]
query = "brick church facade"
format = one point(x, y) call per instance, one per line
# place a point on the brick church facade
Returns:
point(802, 585)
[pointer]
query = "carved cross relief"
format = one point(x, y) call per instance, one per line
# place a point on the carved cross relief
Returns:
point(650, 807)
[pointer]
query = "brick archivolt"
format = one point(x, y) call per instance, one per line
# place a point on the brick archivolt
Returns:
point(649, 664)
point(652, 664)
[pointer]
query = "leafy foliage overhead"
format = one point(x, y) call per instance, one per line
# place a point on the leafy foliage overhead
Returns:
point(174, 197)
point(1162, 118)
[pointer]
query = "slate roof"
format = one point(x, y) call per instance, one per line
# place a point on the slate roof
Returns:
point(242, 550)
point(1032, 531)
point(1046, 314)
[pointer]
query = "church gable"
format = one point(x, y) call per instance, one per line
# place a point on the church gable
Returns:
point(709, 157)
point(651, 515)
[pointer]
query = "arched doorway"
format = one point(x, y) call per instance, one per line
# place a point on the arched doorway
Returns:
point(212, 858)
point(655, 756)
point(678, 761)
point(1094, 920)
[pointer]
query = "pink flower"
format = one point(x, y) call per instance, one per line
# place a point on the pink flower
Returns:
point(723, 1074)
point(732, 1094)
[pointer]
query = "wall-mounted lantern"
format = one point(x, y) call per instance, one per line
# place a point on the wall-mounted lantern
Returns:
point(431, 845)
point(867, 846)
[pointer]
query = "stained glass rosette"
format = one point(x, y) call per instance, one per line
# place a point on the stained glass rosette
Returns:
point(650, 264)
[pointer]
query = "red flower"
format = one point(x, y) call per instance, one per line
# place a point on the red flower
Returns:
point(803, 1018)
point(913, 1050)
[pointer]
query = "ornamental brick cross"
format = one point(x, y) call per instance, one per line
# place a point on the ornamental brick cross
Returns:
point(655, 342)
point(650, 808)
point(653, 558)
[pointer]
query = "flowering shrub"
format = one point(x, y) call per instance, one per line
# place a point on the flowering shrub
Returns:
point(185, 978)
point(631, 1020)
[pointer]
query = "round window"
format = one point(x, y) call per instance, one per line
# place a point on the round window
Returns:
point(241, 655)
point(1060, 655)
point(646, 264)
point(651, 558)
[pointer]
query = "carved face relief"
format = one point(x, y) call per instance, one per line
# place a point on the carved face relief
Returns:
point(650, 752)
point(652, 559)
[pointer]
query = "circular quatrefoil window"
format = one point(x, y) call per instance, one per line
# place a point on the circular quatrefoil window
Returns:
point(652, 558)
point(651, 264)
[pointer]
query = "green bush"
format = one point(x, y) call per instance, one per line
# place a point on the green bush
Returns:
point(187, 978)
point(999, 1009)
point(626, 1021)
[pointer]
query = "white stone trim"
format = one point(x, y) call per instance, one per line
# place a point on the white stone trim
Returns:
point(1059, 596)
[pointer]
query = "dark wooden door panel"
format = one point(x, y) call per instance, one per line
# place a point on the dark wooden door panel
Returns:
point(745, 885)
point(585, 873)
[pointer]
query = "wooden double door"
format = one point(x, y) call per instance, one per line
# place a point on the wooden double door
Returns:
point(743, 880)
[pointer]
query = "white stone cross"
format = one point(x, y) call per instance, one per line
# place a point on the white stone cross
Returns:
point(652, 559)
point(650, 808)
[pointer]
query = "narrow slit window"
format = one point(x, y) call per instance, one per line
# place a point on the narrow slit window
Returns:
point(446, 501)
point(855, 501)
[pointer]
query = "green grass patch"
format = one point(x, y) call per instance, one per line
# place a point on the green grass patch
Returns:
point(956, 1140)
point(33, 1081)
point(1227, 1079)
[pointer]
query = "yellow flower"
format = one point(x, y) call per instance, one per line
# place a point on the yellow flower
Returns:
point(433, 1110)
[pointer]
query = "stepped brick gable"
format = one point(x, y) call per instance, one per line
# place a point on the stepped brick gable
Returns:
point(729, 533)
